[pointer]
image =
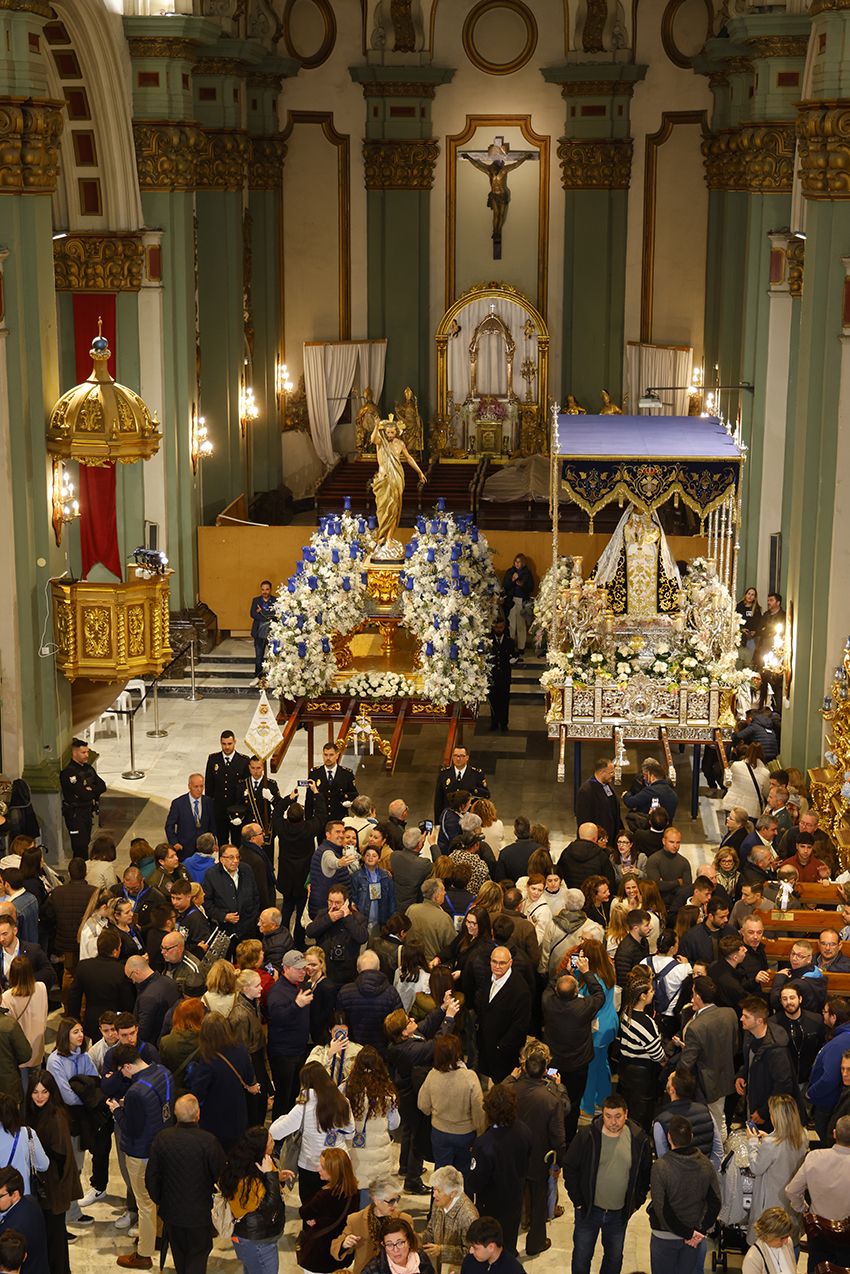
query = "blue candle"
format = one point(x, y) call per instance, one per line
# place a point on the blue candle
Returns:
point(453, 651)
point(473, 535)
point(464, 587)
point(455, 570)
point(299, 567)
point(364, 578)
point(361, 525)
point(444, 528)
point(436, 621)
point(429, 648)
point(435, 526)
point(373, 521)
point(408, 551)
point(335, 556)
point(441, 504)
point(290, 585)
point(454, 623)
point(320, 618)
point(312, 583)
point(442, 587)
point(275, 647)
point(420, 526)
point(455, 552)
point(326, 646)
point(346, 584)
point(430, 555)
point(302, 649)
point(353, 551)
point(300, 621)
point(408, 584)
point(346, 504)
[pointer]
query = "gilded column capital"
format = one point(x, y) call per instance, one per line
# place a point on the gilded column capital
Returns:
point(38, 7)
point(162, 46)
point(265, 163)
point(400, 163)
point(222, 162)
point(30, 130)
point(598, 164)
point(98, 263)
point(757, 158)
point(166, 154)
point(823, 148)
point(779, 46)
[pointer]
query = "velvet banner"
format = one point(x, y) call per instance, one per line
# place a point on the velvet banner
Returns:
point(98, 520)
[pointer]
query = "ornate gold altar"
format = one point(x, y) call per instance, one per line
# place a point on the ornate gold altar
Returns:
point(488, 341)
point(830, 783)
point(111, 632)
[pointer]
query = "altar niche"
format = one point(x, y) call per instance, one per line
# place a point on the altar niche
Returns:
point(492, 374)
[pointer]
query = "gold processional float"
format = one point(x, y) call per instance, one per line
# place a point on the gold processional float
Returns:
point(106, 631)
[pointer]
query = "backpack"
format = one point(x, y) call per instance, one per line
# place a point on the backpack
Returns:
point(662, 995)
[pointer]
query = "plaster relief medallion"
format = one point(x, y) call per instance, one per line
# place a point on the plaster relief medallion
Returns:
point(685, 27)
point(500, 36)
point(309, 31)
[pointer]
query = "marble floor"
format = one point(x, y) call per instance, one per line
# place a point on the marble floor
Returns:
point(521, 769)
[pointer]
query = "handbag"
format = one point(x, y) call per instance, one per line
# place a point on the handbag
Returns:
point(222, 1216)
point(230, 1066)
point(291, 1148)
point(38, 1181)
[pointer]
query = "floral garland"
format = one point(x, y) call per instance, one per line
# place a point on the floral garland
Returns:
point(327, 594)
point(377, 684)
point(553, 582)
point(448, 591)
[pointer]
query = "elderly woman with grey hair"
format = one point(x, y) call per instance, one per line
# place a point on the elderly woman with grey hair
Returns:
point(361, 1233)
point(444, 1237)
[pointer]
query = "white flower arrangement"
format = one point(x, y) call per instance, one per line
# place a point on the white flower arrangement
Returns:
point(378, 684)
point(326, 595)
point(553, 582)
point(447, 599)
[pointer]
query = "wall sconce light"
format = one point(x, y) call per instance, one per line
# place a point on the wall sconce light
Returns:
point(284, 385)
point(66, 507)
point(201, 447)
point(248, 409)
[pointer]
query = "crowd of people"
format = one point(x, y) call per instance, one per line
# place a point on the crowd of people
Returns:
point(289, 997)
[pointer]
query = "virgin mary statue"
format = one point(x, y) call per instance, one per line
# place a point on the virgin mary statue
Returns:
point(638, 569)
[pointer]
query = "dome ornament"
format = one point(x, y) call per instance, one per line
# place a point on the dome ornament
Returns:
point(99, 421)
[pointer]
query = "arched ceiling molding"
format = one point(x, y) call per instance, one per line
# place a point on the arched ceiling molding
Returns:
point(98, 38)
point(66, 214)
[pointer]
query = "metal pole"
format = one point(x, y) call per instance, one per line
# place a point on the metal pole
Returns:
point(156, 733)
point(194, 696)
point(132, 773)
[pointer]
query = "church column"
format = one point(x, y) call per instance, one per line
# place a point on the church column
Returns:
point(596, 165)
point(167, 138)
point(36, 702)
point(400, 158)
point(262, 282)
point(812, 537)
point(777, 45)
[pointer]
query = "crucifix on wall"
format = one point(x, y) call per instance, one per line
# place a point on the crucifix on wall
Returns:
point(496, 162)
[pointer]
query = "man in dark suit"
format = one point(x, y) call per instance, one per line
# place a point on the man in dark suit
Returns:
point(254, 855)
point(261, 615)
point(231, 898)
point(101, 982)
point(502, 656)
point(11, 945)
point(597, 802)
point(188, 817)
point(503, 1005)
point(333, 782)
point(460, 776)
point(257, 804)
point(225, 774)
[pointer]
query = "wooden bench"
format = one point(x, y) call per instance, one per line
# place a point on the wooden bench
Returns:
point(808, 922)
point(837, 983)
point(780, 949)
point(826, 892)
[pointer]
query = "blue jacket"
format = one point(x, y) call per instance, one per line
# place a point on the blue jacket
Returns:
point(359, 893)
point(289, 1024)
point(825, 1080)
point(661, 791)
point(763, 729)
point(366, 1002)
point(148, 1108)
point(27, 1218)
point(64, 1068)
point(180, 826)
point(197, 865)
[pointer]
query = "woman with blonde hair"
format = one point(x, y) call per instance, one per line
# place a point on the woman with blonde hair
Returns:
point(773, 1246)
point(95, 920)
point(491, 898)
point(605, 1026)
point(492, 827)
point(738, 828)
point(652, 902)
point(775, 1158)
point(728, 866)
point(616, 931)
point(220, 995)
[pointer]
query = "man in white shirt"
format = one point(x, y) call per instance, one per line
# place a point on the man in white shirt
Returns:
point(824, 1176)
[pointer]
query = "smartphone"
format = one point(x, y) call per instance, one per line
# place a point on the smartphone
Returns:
point(429, 826)
point(655, 803)
point(552, 1072)
point(269, 968)
point(574, 961)
point(340, 1033)
point(752, 1127)
point(303, 783)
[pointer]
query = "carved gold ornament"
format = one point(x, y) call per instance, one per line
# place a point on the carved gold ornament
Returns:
point(222, 164)
point(779, 46)
point(795, 259)
point(383, 586)
point(398, 88)
point(99, 421)
point(29, 145)
point(109, 632)
point(98, 263)
point(400, 164)
point(758, 158)
point(265, 163)
point(161, 46)
point(823, 140)
point(166, 154)
point(604, 164)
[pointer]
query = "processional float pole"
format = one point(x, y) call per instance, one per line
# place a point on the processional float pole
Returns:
point(553, 512)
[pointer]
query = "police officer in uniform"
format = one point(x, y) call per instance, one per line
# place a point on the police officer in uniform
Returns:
point(460, 776)
point(257, 805)
point(82, 788)
point(224, 781)
point(502, 656)
point(333, 782)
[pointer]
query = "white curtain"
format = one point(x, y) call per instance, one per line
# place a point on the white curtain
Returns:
point(372, 357)
point(492, 367)
point(651, 365)
point(328, 377)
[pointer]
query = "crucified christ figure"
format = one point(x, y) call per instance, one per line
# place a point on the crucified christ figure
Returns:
point(496, 162)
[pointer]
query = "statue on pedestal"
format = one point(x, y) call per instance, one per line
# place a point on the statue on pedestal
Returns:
point(388, 485)
point(407, 414)
point(367, 418)
point(638, 569)
point(608, 407)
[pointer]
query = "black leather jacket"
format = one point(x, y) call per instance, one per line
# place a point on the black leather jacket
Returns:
point(266, 1223)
